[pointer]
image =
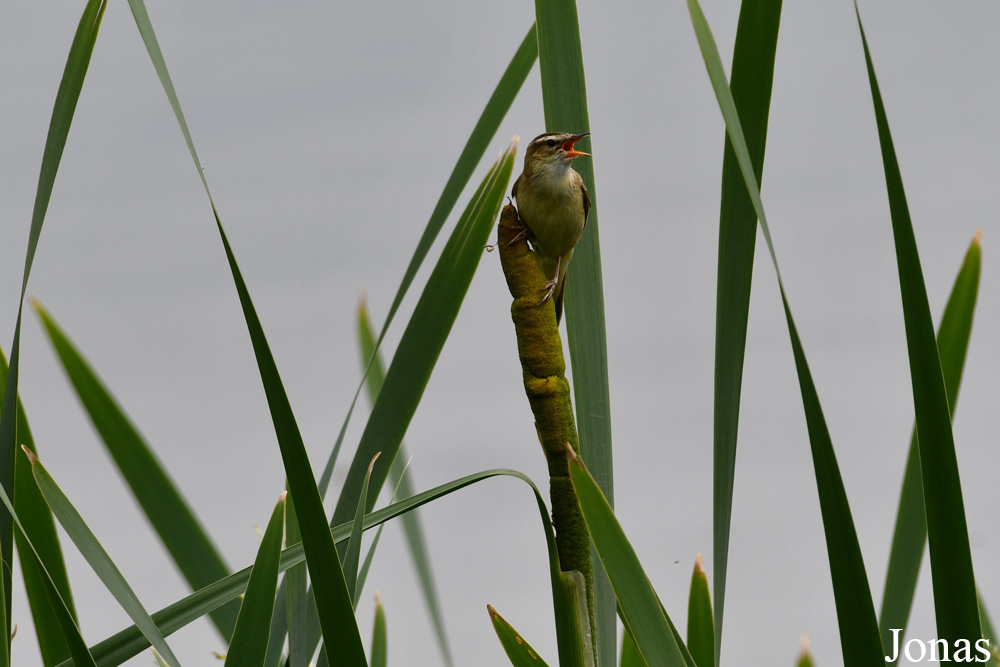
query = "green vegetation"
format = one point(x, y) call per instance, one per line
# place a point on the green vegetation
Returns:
point(596, 575)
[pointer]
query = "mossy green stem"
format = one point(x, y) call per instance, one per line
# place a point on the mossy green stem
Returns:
point(544, 370)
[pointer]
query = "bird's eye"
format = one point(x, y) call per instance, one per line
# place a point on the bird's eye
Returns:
point(551, 143)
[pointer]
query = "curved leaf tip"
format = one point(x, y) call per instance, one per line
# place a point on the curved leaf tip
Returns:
point(31, 457)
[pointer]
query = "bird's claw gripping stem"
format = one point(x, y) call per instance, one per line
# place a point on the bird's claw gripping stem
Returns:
point(550, 288)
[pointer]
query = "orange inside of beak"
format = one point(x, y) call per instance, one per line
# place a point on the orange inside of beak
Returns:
point(568, 147)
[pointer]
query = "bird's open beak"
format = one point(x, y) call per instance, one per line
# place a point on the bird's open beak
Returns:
point(568, 146)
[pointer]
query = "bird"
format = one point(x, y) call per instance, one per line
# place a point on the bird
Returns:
point(553, 203)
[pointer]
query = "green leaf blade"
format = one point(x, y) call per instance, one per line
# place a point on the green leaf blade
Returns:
point(130, 642)
point(333, 600)
point(40, 536)
point(955, 600)
point(859, 633)
point(250, 638)
point(519, 652)
point(412, 528)
point(640, 607)
point(564, 95)
point(910, 534)
point(380, 637)
point(486, 127)
point(352, 555)
point(70, 86)
point(168, 512)
point(424, 338)
point(701, 627)
point(98, 559)
point(751, 83)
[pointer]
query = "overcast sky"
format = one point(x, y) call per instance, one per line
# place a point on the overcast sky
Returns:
point(327, 131)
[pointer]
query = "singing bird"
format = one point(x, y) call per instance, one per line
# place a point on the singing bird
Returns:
point(553, 203)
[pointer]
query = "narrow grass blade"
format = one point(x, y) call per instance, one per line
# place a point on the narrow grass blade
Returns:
point(955, 601)
point(483, 133)
point(98, 558)
point(630, 654)
point(859, 633)
point(370, 556)
point(352, 554)
point(77, 63)
point(412, 528)
point(36, 519)
point(564, 94)
point(424, 337)
point(65, 623)
point(380, 638)
point(170, 515)
point(519, 652)
point(701, 627)
point(64, 619)
point(910, 535)
point(129, 642)
point(333, 600)
point(750, 83)
point(297, 609)
point(249, 644)
point(640, 607)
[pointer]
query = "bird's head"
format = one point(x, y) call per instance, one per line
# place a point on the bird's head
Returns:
point(552, 151)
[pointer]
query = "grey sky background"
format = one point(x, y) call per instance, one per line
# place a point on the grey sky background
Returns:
point(327, 131)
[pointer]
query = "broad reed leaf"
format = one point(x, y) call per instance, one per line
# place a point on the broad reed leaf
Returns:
point(36, 519)
point(77, 63)
point(61, 613)
point(955, 601)
point(482, 134)
point(519, 652)
point(98, 559)
point(412, 529)
point(170, 515)
point(564, 94)
point(910, 535)
point(250, 638)
point(701, 627)
point(129, 642)
point(750, 83)
point(859, 633)
point(641, 611)
point(380, 637)
point(424, 338)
